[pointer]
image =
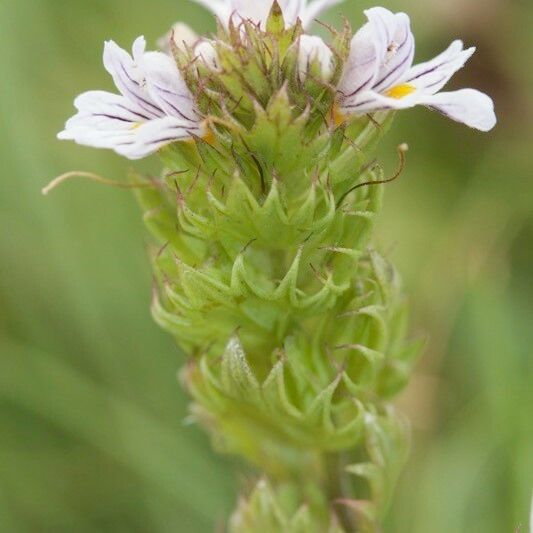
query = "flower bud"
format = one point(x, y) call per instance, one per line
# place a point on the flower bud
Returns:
point(206, 51)
point(180, 35)
point(314, 58)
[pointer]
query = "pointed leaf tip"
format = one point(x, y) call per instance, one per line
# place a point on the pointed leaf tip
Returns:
point(276, 22)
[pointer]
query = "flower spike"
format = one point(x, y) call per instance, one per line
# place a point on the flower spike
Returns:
point(379, 75)
point(264, 272)
point(258, 11)
point(155, 106)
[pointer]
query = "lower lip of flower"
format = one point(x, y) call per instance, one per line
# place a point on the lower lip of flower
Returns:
point(400, 91)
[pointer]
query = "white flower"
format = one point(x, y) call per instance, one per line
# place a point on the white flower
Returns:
point(155, 106)
point(379, 74)
point(314, 50)
point(257, 11)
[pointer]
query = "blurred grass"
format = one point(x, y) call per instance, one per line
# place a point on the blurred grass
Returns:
point(91, 434)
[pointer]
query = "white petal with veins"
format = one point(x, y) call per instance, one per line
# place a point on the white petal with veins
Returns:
point(398, 50)
point(166, 87)
point(155, 106)
point(379, 75)
point(126, 74)
point(471, 107)
point(362, 65)
point(433, 75)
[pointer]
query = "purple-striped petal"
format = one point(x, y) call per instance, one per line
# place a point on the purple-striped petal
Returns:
point(361, 67)
point(166, 87)
point(154, 109)
point(104, 103)
point(431, 76)
point(386, 42)
point(381, 52)
point(127, 76)
point(133, 141)
point(104, 120)
point(372, 101)
point(155, 134)
point(468, 106)
point(397, 45)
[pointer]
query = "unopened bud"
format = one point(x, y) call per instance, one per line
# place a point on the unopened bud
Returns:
point(181, 35)
point(314, 53)
point(205, 51)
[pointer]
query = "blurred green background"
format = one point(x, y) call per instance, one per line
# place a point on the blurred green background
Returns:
point(92, 432)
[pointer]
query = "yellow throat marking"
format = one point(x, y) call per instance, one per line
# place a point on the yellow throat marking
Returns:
point(400, 91)
point(209, 136)
point(337, 116)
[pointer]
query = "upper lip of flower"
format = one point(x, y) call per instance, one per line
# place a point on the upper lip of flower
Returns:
point(258, 10)
point(155, 106)
point(379, 74)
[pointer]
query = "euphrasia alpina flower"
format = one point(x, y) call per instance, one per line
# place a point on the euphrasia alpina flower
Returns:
point(257, 11)
point(379, 74)
point(155, 106)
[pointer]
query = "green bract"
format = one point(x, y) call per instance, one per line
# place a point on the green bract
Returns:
point(294, 326)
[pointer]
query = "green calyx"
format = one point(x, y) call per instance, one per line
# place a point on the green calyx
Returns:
point(295, 328)
point(253, 66)
point(312, 394)
point(275, 510)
